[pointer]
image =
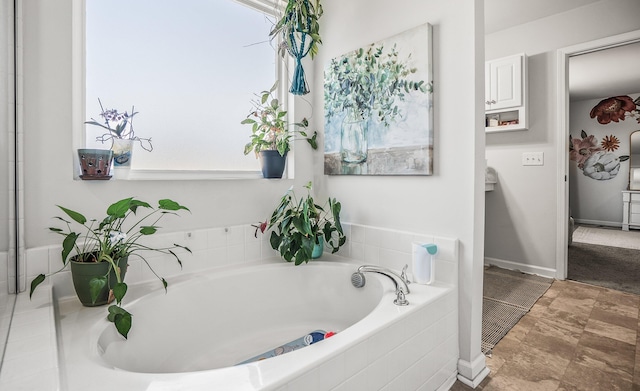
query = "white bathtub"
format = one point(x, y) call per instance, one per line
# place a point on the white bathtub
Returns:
point(191, 337)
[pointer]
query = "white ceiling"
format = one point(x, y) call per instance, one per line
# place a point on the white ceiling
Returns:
point(600, 74)
point(502, 14)
point(610, 72)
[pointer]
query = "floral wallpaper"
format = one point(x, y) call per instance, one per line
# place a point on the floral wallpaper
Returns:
point(598, 158)
point(616, 108)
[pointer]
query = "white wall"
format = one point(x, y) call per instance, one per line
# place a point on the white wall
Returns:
point(593, 201)
point(450, 202)
point(521, 213)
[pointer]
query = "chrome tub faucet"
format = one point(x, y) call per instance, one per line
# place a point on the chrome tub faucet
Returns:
point(402, 288)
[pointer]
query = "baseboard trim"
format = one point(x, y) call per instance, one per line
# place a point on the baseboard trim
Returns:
point(529, 269)
point(598, 222)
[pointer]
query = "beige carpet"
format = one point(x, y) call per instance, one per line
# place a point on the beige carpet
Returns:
point(613, 237)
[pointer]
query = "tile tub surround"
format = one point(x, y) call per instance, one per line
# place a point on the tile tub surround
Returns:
point(218, 247)
point(31, 356)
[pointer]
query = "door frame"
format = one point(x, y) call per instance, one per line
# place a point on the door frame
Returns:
point(562, 211)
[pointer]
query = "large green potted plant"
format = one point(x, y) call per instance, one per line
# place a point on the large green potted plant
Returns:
point(271, 134)
point(299, 227)
point(365, 85)
point(98, 255)
point(119, 131)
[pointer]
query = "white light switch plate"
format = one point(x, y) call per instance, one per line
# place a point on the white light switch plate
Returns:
point(533, 158)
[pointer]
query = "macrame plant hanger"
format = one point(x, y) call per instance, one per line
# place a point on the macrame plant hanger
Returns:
point(295, 40)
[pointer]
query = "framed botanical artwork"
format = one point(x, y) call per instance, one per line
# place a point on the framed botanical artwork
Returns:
point(378, 108)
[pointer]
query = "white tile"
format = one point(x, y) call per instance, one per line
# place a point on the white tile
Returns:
point(37, 261)
point(381, 343)
point(356, 358)
point(216, 237)
point(45, 380)
point(252, 251)
point(357, 233)
point(235, 235)
point(235, 253)
point(28, 343)
point(25, 367)
point(446, 272)
point(447, 249)
point(371, 254)
point(396, 362)
point(357, 251)
point(393, 260)
point(398, 383)
point(378, 373)
point(373, 236)
point(196, 240)
point(331, 373)
point(216, 257)
point(357, 382)
point(35, 315)
point(55, 257)
point(307, 382)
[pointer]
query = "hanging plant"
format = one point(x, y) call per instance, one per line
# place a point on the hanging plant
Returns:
point(300, 33)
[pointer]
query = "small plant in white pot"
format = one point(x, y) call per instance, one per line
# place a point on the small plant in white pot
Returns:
point(120, 133)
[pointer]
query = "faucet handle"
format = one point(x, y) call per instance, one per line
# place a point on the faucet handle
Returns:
point(400, 298)
point(404, 275)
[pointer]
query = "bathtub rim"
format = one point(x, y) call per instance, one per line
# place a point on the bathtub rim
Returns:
point(261, 375)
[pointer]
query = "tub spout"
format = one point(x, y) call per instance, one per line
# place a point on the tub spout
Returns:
point(402, 289)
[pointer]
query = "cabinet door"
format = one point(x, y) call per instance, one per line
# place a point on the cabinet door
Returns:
point(504, 79)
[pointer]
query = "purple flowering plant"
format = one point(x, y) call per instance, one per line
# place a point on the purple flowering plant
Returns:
point(119, 125)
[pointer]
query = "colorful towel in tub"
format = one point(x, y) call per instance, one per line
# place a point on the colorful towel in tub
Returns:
point(309, 339)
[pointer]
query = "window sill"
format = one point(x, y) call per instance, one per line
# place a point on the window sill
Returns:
point(178, 175)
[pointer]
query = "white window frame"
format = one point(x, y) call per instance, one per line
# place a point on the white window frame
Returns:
point(78, 97)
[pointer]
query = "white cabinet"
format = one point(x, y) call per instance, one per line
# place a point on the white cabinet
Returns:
point(630, 209)
point(506, 94)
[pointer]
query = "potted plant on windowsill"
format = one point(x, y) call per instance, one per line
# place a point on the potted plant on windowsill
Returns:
point(301, 226)
point(271, 135)
point(119, 127)
point(99, 256)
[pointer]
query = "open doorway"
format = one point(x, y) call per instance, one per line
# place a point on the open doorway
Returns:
point(591, 190)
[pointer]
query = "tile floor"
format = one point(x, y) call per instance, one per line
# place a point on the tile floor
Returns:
point(577, 337)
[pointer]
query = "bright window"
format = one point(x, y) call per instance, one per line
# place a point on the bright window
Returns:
point(189, 67)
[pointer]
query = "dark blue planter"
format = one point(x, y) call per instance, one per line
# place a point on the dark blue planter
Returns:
point(272, 163)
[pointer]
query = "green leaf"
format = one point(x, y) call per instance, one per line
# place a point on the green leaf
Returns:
point(148, 230)
point(123, 323)
point(35, 282)
point(137, 203)
point(167, 204)
point(68, 244)
point(248, 121)
point(113, 311)
point(77, 217)
point(96, 285)
point(176, 257)
point(164, 284)
point(119, 290)
point(275, 240)
point(120, 208)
